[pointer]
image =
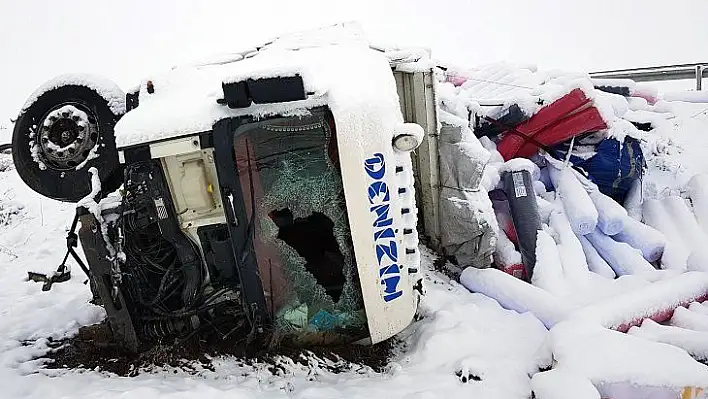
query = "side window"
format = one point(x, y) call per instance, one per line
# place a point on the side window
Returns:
point(290, 179)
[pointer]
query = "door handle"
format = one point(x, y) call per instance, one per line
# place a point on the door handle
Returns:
point(230, 208)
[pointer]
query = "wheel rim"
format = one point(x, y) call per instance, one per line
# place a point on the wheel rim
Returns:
point(66, 136)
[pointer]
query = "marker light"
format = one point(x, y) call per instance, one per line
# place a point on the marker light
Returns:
point(407, 137)
point(405, 142)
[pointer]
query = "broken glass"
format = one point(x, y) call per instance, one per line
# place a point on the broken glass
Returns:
point(302, 238)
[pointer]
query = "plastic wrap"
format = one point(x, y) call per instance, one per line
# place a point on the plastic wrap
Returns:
point(611, 215)
point(620, 256)
point(675, 251)
point(596, 263)
point(644, 238)
point(577, 203)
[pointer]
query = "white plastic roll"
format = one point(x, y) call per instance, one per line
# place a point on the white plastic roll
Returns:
point(698, 190)
point(490, 177)
point(633, 200)
point(540, 188)
point(621, 257)
point(698, 260)
point(675, 252)
point(541, 191)
point(548, 272)
point(556, 383)
point(578, 206)
point(611, 215)
point(682, 217)
point(545, 209)
point(489, 145)
point(644, 238)
point(515, 294)
point(505, 254)
point(572, 255)
point(596, 264)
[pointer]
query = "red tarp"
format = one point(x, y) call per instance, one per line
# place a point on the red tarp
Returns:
point(567, 117)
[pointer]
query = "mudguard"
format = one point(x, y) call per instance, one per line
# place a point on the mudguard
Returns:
point(117, 309)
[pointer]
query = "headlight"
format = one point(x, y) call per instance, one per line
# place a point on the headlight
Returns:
point(407, 137)
point(405, 142)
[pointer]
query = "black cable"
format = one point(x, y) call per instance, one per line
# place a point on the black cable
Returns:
point(153, 269)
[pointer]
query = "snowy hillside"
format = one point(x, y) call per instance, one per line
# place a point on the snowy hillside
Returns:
point(608, 311)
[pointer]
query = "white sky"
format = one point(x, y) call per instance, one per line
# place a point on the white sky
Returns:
point(126, 39)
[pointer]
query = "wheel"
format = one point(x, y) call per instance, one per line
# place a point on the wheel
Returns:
point(66, 131)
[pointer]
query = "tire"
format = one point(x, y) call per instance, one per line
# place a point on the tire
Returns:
point(57, 133)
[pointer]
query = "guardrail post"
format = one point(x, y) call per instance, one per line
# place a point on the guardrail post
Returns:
point(699, 77)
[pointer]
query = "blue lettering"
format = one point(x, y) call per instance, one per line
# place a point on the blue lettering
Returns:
point(385, 233)
point(390, 250)
point(375, 166)
point(382, 219)
point(376, 188)
point(385, 237)
point(390, 297)
point(390, 283)
point(390, 269)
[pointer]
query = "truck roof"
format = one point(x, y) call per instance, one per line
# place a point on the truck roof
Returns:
point(338, 66)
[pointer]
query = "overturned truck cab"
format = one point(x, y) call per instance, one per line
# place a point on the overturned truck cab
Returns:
point(310, 239)
point(285, 210)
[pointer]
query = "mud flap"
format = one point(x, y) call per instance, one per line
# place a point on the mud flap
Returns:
point(119, 319)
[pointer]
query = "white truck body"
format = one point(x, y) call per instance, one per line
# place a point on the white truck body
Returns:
point(282, 180)
point(359, 85)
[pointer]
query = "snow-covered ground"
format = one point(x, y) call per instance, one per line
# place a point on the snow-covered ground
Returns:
point(464, 345)
point(461, 334)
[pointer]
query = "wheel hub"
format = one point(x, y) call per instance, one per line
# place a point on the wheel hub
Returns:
point(66, 136)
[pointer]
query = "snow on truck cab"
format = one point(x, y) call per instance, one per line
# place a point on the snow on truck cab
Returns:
point(270, 194)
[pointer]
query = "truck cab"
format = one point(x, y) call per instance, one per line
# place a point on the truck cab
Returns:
point(269, 194)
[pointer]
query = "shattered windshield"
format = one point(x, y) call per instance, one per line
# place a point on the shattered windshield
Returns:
point(301, 233)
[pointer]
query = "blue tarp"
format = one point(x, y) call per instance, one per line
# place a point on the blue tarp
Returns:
point(613, 168)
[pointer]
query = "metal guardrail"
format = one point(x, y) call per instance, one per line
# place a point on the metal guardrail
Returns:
point(658, 73)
